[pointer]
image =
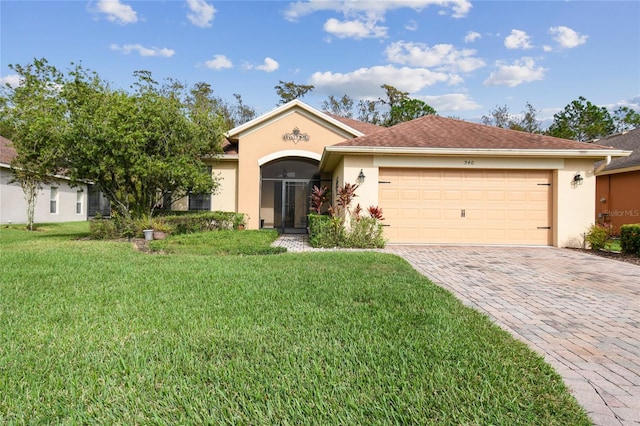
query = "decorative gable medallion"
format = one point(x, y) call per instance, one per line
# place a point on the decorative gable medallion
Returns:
point(296, 136)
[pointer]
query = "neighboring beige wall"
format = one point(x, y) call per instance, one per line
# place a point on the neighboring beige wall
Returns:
point(266, 139)
point(225, 198)
point(574, 209)
point(13, 207)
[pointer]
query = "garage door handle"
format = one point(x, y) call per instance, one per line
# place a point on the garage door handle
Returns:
point(544, 227)
point(463, 213)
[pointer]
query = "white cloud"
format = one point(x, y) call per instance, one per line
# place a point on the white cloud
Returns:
point(362, 17)
point(354, 29)
point(518, 40)
point(443, 57)
point(364, 83)
point(143, 51)
point(451, 102)
point(218, 62)
point(378, 8)
point(12, 80)
point(566, 37)
point(269, 65)
point(411, 26)
point(520, 71)
point(117, 12)
point(201, 13)
point(547, 48)
point(472, 36)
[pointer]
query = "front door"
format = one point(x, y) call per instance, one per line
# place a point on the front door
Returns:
point(284, 195)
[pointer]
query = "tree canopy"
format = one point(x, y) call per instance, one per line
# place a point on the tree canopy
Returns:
point(501, 117)
point(582, 121)
point(33, 118)
point(138, 147)
point(288, 91)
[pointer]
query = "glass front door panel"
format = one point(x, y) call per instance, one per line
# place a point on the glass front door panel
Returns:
point(295, 205)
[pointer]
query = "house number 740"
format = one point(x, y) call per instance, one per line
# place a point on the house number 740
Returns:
point(469, 162)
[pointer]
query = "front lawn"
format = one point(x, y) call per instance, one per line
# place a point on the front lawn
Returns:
point(96, 333)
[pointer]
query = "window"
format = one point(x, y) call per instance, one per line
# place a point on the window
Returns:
point(79, 202)
point(199, 201)
point(53, 200)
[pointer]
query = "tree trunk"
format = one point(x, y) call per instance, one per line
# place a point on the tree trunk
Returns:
point(30, 189)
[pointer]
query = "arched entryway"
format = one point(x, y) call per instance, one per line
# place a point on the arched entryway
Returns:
point(284, 193)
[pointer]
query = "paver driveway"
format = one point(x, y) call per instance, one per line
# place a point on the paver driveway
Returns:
point(580, 311)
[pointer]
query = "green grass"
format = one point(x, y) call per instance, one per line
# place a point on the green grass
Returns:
point(613, 244)
point(220, 243)
point(95, 332)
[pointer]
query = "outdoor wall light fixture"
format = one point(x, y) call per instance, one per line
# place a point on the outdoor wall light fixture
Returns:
point(361, 177)
point(577, 179)
point(337, 184)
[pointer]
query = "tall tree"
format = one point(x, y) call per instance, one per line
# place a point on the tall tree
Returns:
point(407, 110)
point(498, 117)
point(529, 122)
point(141, 146)
point(342, 107)
point(501, 117)
point(289, 91)
point(582, 121)
point(368, 112)
point(33, 118)
point(626, 119)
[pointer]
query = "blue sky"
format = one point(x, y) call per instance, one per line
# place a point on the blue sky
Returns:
point(464, 58)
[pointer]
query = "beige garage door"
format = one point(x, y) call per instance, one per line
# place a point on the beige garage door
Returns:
point(466, 206)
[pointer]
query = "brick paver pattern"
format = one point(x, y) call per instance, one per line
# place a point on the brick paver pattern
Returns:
point(581, 312)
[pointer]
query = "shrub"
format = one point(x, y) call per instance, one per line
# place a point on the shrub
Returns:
point(630, 239)
point(205, 221)
point(102, 229)
point(330, 231)
point(325, 231)
point(365, 232)
point(597, 237)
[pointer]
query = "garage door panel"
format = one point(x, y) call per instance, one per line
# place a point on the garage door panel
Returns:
point(466, 206)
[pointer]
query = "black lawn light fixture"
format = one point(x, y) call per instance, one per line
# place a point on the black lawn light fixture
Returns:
point(360, 178)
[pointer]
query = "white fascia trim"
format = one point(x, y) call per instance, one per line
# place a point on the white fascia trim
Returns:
point(288, 153)
point(616, 171)
point(564, 153)
point(261, 121)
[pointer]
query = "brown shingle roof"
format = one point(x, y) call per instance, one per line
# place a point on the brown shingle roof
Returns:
point(628, 141)
point(433, 131)
point(362, 127)
point(7, 153)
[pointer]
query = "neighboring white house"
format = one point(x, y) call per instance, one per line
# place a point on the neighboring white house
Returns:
point(57, 202)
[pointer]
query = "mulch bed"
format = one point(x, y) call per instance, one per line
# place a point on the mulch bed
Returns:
point(629, 258)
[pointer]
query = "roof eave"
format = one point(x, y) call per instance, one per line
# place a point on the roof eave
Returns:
point(235, 133)
point(332, 154)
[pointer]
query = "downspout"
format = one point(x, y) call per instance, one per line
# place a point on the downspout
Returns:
point(603, 165)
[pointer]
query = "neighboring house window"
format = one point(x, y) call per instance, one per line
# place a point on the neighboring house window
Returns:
point(53, 200)
point(199, 201)
point(79, 202)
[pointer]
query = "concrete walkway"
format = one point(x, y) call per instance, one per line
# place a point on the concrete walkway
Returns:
point(581, 312)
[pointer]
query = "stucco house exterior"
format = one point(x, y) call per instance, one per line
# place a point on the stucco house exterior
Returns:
point(57, 202)
point(438, 180)
point(618, 182)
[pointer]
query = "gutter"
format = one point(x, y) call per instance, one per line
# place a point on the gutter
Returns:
point(603, 165)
